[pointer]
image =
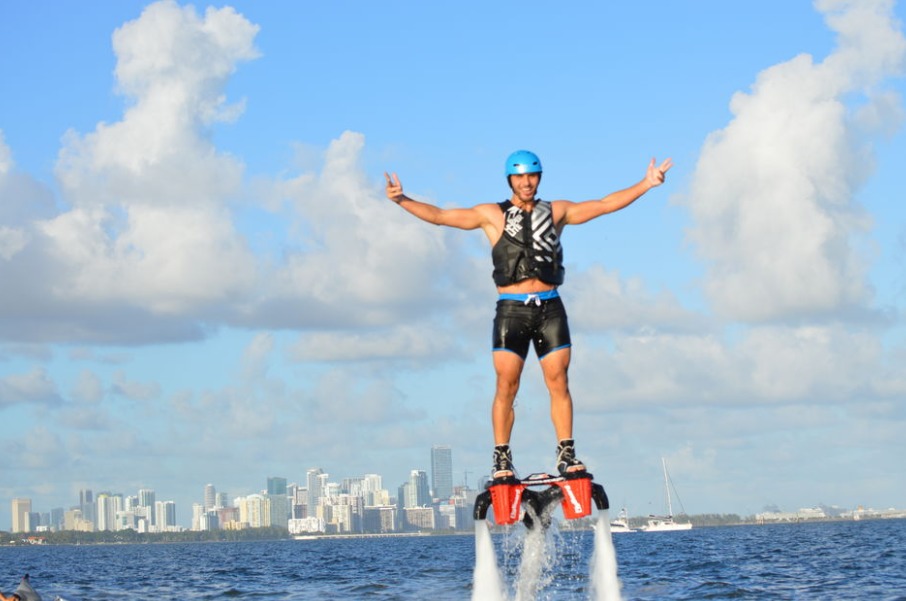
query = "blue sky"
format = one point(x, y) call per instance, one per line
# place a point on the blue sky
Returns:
point(201, 280)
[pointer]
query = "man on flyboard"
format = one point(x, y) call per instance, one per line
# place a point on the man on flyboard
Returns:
point(524, 233)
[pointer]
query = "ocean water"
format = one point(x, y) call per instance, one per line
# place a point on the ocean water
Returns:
point(836, 561)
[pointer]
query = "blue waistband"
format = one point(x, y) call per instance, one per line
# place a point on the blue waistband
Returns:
point(528, 297)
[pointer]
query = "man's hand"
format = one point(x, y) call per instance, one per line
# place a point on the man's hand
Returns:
point(655, 175)
point(395, 188)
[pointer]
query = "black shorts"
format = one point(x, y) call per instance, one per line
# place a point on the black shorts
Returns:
point(541, 322)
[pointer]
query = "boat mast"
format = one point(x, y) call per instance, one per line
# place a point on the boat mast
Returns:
point(667, 488)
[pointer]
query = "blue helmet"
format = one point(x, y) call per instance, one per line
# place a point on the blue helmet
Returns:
point(522, 161)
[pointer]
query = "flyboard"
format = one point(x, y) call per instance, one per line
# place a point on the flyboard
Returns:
point(533, 501)
point(513, 498)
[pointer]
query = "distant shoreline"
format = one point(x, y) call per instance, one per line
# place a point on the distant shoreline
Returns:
point(73, 538)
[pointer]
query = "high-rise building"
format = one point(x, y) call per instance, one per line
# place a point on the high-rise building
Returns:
point(73, 520)
point(373, 491)
point(130, 503)
point(100, 512)
point(442, 472)
point(315, 478)
point(197, 513)
point(146, 500)
point(107, 506)
point(165, 517)
point(254, 510)
point(300, 503)
point(417, 492)
point(56, 518)
point(86, 504)
point(276, 494)
point(210, 497)
point(21, 508)
point(276, 486)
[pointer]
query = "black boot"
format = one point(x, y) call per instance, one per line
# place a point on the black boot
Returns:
point(503, 463)
point(566, 458)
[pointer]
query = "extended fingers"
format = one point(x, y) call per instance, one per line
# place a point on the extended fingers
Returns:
point(394, 188)
point(656, 175)
point(393, 183)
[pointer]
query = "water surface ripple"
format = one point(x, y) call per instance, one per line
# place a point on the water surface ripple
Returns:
point(837, 561)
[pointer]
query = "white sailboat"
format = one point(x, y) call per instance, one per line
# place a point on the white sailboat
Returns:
point(665, 523)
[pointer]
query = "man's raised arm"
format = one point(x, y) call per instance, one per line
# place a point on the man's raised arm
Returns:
point(580, 212)
point(464, 219)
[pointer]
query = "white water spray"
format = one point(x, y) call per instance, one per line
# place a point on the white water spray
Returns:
point(535, 560)
point(487, 584)
point(538, 555)
point(605, 585)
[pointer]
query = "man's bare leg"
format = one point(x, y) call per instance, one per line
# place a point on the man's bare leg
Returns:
point(509, 371)
point(555, 367)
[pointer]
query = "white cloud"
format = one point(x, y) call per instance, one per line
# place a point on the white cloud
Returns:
point(353, 257)
point(601, 300)
point(88, 388)
point(375, 253)
point(6, 156)
point(256, 356)
point(12, 240)
point(772, 197)
point(757, 367)
point(148, 239)
point(145, 241)
point(41, 449)
point(21, 197)
point(407, 341)
point(32, 352)
point(35, 386)
point(823, 364)
point(134, 390)
point(149, 226)
point(165, 260)
point(871, 44)
point(363, 402)
point(653, 369)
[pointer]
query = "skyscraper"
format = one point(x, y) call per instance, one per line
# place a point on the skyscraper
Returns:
point(86, 504)
point(442, 471)
point(210, 497)
point(417, 492)
point(254, 510)
point(107, 505)
point(276, 486)
point(56, 518)
point(146, 502)
point(21, 515)
point(276, 494)
point(315, 481)
point(166, 515)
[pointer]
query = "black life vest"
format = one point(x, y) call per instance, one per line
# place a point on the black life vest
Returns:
point(529, 246)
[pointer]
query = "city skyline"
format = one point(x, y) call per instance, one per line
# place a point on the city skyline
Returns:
point(315, 479)
point(317, 475)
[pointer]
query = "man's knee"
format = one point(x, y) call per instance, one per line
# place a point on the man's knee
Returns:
point(555, 373)
point(507, 387)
